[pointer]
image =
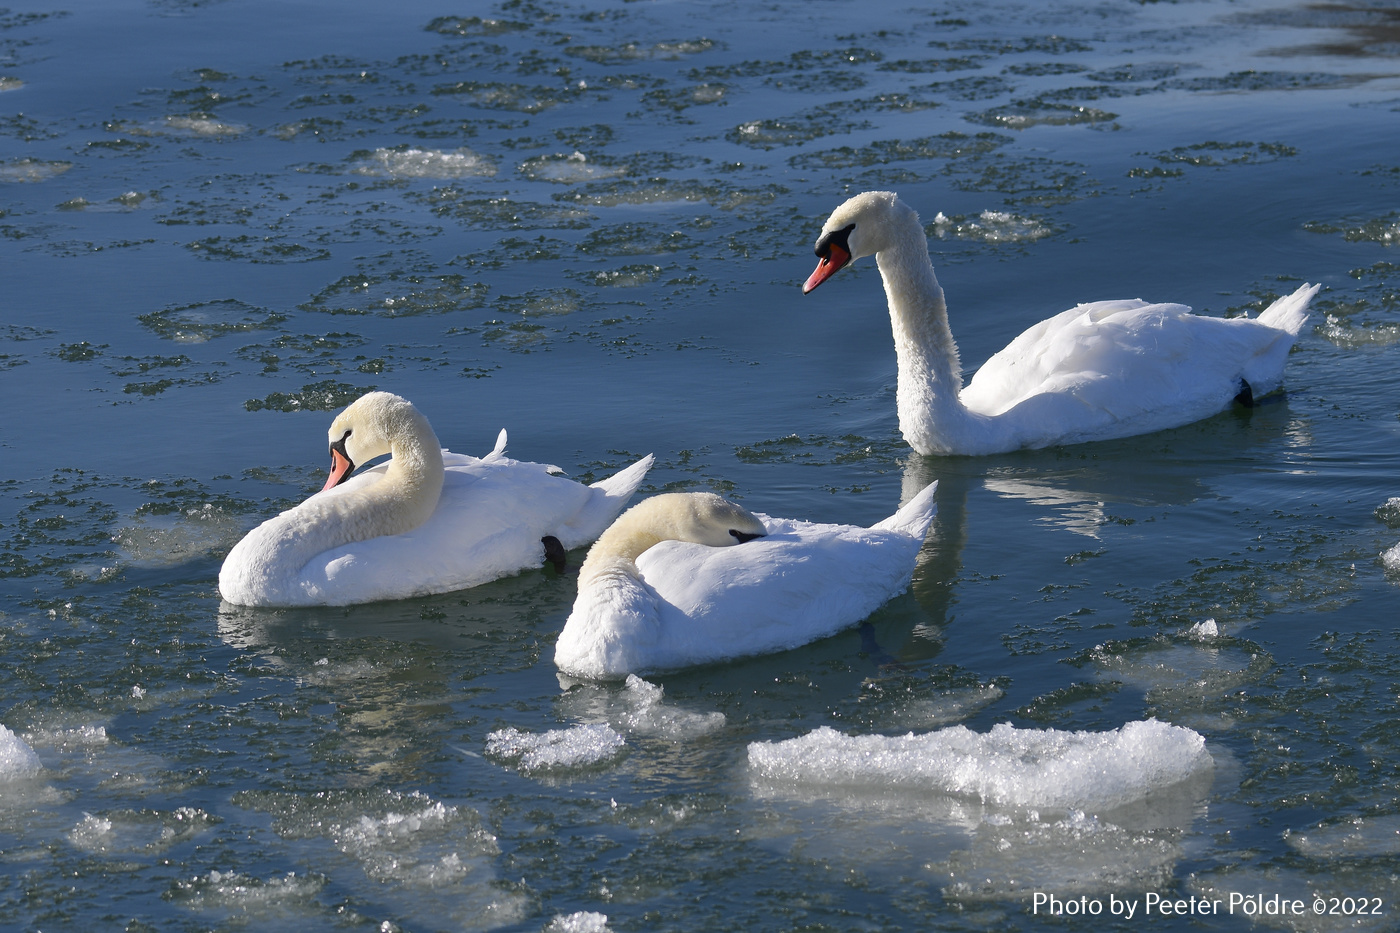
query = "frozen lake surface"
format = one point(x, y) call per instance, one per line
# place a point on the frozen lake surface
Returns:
point(1164, 666)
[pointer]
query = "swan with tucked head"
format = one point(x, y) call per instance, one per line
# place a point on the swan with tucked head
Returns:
point(665, 587)
point(426, 521)
point(698, 517)
point(1100, 370)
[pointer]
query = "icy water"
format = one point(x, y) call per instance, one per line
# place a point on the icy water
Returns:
point(588, 223)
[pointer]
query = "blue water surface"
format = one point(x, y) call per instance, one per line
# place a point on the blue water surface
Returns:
point(588, 222)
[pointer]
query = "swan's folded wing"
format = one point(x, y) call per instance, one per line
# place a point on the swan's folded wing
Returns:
point(800, 583)
point(488, 524)
point(606, 500)
point(1109, 365)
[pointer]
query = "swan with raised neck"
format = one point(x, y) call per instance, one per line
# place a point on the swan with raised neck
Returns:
point(1093, 372)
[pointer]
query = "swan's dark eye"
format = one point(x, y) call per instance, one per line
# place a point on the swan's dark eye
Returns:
point(742, 536)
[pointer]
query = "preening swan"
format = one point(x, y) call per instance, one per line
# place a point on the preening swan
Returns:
point(662, 588)
point(426, 521)
point(1100, 370)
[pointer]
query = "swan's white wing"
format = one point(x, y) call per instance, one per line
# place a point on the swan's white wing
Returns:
point(800, 583)
point(607, 499)
point(1113, 367)
point(488, 523)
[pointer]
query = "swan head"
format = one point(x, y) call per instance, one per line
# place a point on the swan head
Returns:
point(862, 226)
point(697, 517)
point(370, 427)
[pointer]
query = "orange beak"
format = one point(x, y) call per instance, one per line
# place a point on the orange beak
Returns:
point(835, 258)
point(341, 468)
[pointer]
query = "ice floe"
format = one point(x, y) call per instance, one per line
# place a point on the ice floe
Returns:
point(1391, 558)
point(992, 227)
point(423, 163)
point(557, 749)
point(1358, 837)
point(1204, 631)
point(28, 170)
point(584, 921)
point(17, 759)
point(433, 862)
point(1008, 766)
point(638, 708)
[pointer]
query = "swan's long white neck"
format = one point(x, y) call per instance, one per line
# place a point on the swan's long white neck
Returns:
point(931, 415)
point(616, 551)
point(403, 498)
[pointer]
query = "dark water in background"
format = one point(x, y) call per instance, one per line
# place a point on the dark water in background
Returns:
point(588, 223)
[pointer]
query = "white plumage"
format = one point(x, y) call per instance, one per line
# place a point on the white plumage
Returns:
point(678, 602)
point(1100, 370)
point(426, 521)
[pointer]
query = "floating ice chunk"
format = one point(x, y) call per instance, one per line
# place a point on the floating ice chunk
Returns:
point(638, 708)
point(569, 169)
point(250, 898)
point(584, 921)
point(91, 834)
point(143, 830)
point(69, 740)
point(557, 749)
point(423, 163)
point(1391, 559)
point(1359, 837)
point(649, 716)
point(435, 863)
point(1389, 512)
point(1204, 631)
point(1016, 767)
point(27, 170)
point(992, 227)
point(17, 759)
point(1348, 334)
point(204, 126)
point(1012, 857)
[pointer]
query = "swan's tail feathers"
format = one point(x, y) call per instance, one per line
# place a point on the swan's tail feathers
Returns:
point(1290, 312)
point(609, 498)
point(914, 516)
point(500, 449)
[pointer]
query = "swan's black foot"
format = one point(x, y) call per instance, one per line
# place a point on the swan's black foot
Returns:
point(870, 647)
point(1246, 396)
point(555, 554)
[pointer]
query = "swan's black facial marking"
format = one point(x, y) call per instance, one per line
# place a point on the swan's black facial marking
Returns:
point(339, 447)
point(834, 251)
point(341, 464)
point(841, 238)
point(742, 536)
